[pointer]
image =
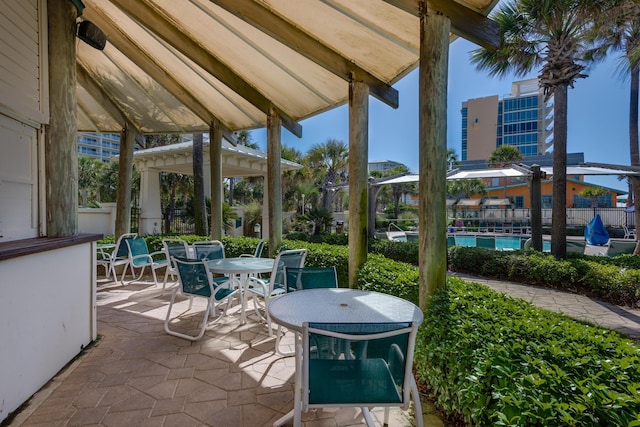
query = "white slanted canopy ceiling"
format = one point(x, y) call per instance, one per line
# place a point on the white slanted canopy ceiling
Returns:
point(176, 66)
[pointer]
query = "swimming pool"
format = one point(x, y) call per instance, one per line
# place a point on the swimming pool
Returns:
point(497, 242)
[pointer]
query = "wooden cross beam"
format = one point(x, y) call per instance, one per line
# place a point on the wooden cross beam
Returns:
point(465, 22)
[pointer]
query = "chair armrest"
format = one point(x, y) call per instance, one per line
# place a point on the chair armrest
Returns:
point(246, 256)
point(153, 255)
point(138, 258)
point(256, 281)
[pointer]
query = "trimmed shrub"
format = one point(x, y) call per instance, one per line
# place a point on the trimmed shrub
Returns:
point(496, 360)
point(398, 251)
point(615, 280)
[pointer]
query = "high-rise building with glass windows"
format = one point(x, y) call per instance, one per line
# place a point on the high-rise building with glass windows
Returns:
point(101, 146)
point(522, 119)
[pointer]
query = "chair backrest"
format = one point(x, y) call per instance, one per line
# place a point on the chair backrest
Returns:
point(193, 276)
point(486, 242)
point(213, 249)
point(259, 249)
point(378, 358)
point(122, 250)
point(137, 246)
point(297, 279)
point(576, 246)
point(619, 247)
point(175, 248)
point(289, 258)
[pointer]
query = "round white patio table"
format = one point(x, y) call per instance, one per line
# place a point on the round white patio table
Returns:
point(243, 268)
point(336, 306)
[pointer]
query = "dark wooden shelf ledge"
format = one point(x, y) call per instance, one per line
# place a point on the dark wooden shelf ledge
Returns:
point(17, 248)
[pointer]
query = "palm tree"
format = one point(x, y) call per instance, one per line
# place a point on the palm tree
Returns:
point(452, 159)
point(465, 188)
point(593, 193)
point(243, 137)
point(329, 161)
point(503, 156)
point(551, 36)
point(89, 171)
point(623, 34)
point(397, 190)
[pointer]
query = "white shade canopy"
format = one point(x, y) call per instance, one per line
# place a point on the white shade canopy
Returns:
point(174, 66)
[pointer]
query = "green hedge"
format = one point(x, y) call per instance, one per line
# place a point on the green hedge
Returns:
point(496, 360)
point(615, 280)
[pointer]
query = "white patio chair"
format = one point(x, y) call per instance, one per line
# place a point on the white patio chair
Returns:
point(375, 369)
point(173, 248)
point(120, 256)
point(195, 281)
point(275, 285)
point(628, 232)
point(140, 257)
point(258, 252)
point(209, 249)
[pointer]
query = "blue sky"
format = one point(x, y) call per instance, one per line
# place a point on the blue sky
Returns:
point(597, 117)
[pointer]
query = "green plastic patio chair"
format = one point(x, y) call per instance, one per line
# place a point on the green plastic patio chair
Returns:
point(298, 279)
point(120, 256)
point(576, 246)
point(275, 285)
point(173, 248)
point(620, 247)
point(376, 370)
point(196, 282)
point(211, 249)
point(140, 257)
point(258, 252)
point(486, 242)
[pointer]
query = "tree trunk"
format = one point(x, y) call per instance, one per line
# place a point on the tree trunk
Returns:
point(633, 138)
point(559, 211)
point(199, 202)
point(231, 185)
point(434, 61)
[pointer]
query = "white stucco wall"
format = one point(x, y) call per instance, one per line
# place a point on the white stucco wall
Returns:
point(47, 301)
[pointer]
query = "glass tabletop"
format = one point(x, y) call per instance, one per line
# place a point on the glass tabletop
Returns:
point(341, 306)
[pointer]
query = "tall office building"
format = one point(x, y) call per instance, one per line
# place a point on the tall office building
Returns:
point(383, 165)
point(101, 146)
point(522, 119)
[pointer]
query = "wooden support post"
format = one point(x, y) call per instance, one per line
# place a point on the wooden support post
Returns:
point(61, 152)
point(434, 57)
point(536, 208)
point(274, 180)
point(358, 176)
point(125, 173)
point(215, 164)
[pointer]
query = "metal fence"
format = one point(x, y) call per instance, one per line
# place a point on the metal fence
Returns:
point(176, 222)
point(576, 217)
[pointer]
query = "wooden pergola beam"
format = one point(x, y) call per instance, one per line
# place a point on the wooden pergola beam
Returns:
point(147, 62)
point(101, 96)
point(465, 22)
point(152, 19)
point(267, 21)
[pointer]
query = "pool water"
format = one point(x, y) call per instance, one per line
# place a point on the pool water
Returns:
point(502, 243)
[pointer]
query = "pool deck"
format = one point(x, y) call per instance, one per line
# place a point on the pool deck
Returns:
point(137, 375)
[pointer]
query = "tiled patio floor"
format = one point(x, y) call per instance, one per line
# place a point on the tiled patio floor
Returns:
point(137, 375)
